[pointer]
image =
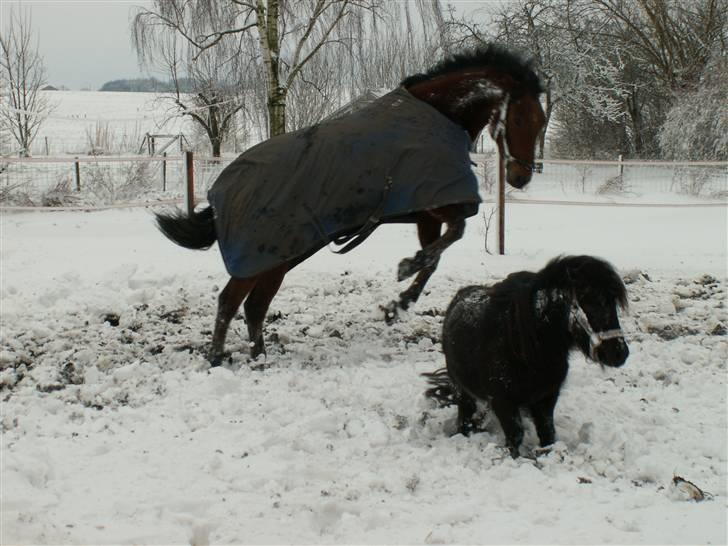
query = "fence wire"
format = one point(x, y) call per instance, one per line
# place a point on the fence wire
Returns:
point(103, 181)
point(614, 182)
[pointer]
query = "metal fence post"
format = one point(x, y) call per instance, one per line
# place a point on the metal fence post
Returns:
point(189, 164)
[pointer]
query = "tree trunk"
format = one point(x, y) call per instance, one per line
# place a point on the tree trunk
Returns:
point(547, 115)
point(277, 112)
point(216, 146)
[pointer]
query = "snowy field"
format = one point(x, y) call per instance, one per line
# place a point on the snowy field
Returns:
point(127, 117)
point(115, 430)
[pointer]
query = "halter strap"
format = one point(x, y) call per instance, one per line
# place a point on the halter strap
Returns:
point(578, 316)
point(500, 130)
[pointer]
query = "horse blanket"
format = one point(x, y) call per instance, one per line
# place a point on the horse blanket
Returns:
point(289, 196)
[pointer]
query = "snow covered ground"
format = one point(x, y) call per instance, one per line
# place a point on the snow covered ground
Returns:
point(122, 434)
point(125, 116)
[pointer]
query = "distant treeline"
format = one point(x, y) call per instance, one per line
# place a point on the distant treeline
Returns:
point(146, 85)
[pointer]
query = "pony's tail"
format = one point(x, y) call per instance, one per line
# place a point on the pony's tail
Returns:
point(196, 231)
point(443, 390)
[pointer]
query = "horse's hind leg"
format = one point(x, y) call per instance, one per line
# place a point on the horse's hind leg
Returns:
point(510, 421)
point(466, 410)
point(256, 307)
point(227, 305)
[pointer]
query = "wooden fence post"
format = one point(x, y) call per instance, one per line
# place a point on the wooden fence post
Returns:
point(621, 167)
point(190, 169)
point(501, 205)
point(78, 175)
point(164, 172)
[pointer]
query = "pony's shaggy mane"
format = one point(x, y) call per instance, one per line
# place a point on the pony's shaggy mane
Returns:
point(518, 66)
point(600, 273)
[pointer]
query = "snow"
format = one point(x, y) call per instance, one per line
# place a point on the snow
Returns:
point(121, 434)
point(126, 117)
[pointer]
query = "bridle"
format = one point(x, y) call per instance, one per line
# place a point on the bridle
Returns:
point(578, 316)
point(500, 130)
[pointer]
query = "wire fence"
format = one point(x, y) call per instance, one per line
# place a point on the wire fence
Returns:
point(619, 183)
point(99, 182)
point(96, 182)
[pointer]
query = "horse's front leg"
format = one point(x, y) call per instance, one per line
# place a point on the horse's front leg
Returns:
point(428, 232)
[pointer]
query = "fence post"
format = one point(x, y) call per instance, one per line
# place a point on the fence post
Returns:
point(501, 205)
point(620, 166)
point(189, 164)
point(164, 172)
point(47, 147)
point(78, 175)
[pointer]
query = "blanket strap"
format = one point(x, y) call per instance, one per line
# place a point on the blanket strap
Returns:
point(353, 240)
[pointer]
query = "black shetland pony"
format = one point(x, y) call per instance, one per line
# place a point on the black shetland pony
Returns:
point(489, 86)
point(509, 343)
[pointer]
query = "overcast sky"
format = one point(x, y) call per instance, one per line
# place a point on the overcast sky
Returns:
point(86, 43)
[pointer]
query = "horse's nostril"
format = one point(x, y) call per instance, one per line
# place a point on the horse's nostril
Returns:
point(518, 181)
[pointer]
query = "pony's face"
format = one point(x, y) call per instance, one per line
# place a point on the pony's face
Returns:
point(594, 322)
point(524, 121)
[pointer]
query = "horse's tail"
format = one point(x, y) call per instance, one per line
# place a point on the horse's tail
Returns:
point(196, 231)
point(443, 390)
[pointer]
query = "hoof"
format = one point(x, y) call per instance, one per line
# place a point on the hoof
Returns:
point(256, 351)
point(391, 312)
point(217, 360)
point(408, 267)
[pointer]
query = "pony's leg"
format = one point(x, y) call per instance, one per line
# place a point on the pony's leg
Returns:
point(428, 231)
point(466, 410)
point(429, 255)
point(227, 305)
point(510, 421)
point(543, 418)
point(256, 307)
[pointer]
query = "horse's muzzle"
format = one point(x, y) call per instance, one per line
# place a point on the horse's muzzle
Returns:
point(612, 352)
point(516, 175)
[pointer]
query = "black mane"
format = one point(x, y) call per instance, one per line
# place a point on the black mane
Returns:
point(575, 269)
point(518, 66)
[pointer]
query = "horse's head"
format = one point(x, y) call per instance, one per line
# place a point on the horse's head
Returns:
point(594, 323)
point(489, 84)
point(597, 294)
point(515, 128)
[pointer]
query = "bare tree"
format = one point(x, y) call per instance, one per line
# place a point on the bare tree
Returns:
point(287, 33)
point(396, 41)
point(209, 85)
point(23, 76)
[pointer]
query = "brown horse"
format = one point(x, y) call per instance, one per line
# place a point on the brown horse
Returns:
point(489, 86)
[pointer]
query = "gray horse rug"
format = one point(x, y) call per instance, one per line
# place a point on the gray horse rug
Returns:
point(293, 194)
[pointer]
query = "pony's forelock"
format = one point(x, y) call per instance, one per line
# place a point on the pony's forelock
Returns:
point(566, 270)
